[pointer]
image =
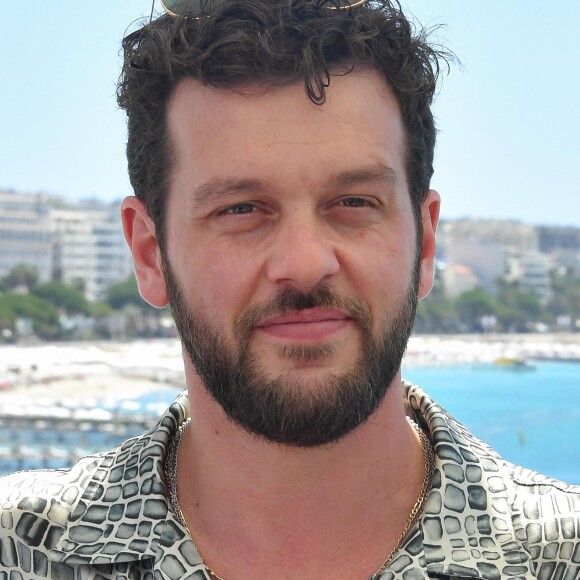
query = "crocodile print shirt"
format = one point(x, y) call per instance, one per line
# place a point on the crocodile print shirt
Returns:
point(108, 517)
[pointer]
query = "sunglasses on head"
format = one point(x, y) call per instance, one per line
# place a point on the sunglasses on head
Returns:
point(195, 8)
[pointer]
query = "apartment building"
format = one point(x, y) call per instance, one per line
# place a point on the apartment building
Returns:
point(73, 242)
point(493, 249)
point(26, 233)
point(531, 270)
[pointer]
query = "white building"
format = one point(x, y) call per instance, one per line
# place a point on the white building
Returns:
point(73, 242)
point(26, 233)
point(498, 249)
point(532, 271)
point(485, 259)
point(112, 258)
point(458, 279)
point(89, 247)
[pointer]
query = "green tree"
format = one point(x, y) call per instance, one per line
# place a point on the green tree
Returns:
point(473, 305)
point(436, 313)
point(44, 315)
point(21, 276)
point(125, 293)
point(518, 309)
point(63, 297)
point(565, 295)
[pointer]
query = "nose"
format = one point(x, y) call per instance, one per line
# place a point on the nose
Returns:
point(302, 255)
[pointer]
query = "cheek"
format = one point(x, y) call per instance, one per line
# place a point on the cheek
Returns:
point(220, 279)
point(382, 273)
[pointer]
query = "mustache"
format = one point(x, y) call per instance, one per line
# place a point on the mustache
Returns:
point(291, 300)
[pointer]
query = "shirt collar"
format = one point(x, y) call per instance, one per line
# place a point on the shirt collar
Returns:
point(123, 514)
point(466, 526)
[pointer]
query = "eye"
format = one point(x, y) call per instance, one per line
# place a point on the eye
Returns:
point(239, 209)
point(242, 217)
point(355, 202)
point(355, 210)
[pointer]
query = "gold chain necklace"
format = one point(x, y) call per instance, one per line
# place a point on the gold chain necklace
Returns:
point(428, 462)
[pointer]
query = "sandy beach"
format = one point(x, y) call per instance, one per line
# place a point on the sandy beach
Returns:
point(87, 373)
point(96, 371)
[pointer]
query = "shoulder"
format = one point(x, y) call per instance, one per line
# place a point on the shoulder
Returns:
point(546, 511)
point(35, 506)
point(528, 517)
point(56, 520)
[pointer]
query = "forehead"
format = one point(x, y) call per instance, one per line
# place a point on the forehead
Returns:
point(256, 130)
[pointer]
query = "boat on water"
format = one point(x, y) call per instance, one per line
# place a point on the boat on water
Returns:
point(514, 362)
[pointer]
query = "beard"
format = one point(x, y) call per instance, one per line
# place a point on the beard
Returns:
point(286, 409)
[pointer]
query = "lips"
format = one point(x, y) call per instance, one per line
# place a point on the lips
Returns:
point(311, 325)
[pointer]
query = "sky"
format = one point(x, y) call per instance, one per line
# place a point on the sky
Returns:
point(508, 115)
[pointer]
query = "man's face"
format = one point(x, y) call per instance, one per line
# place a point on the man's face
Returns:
point(291, 260)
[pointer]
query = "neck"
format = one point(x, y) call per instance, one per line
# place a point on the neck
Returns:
point(270, 504)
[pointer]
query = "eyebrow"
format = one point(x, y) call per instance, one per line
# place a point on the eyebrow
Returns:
point(217, 188)
point(378, 172)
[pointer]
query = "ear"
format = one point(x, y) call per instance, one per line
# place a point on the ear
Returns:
point(139, 232)
point(430, 218)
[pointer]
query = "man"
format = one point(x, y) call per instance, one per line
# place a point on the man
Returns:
point(281, 153)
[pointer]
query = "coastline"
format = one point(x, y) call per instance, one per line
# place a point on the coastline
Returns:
point(452, 349)
point(86, 373)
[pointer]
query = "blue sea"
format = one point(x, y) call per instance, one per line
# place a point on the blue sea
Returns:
point(531, 416)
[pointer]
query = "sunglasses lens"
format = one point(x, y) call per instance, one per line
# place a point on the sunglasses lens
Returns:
point(182, 7)
point(196, 7)
point(350, 3)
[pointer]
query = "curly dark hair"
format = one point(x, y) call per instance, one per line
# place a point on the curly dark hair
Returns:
point(273, 43)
